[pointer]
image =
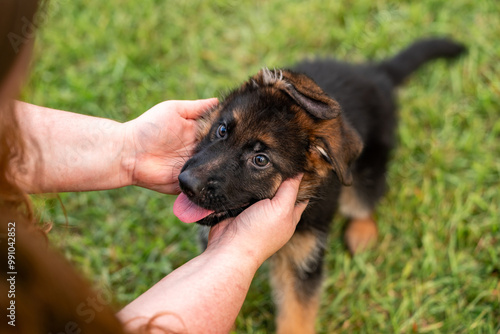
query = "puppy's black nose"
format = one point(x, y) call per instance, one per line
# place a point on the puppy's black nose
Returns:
point(190, 184)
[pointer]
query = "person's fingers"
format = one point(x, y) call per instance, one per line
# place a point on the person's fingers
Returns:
point(194, 109)
point(299, 210)
point(287, 192)
point(280, 204)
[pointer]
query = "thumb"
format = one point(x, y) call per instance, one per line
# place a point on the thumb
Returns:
point(287, 192)
point(194, 109)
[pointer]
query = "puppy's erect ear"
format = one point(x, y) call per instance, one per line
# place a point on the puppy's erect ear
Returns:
point(302, 89)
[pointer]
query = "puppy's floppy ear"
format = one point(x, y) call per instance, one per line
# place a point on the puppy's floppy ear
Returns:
point(335, 140)
point(302, 89)
point(310, 96)
point(339, 145)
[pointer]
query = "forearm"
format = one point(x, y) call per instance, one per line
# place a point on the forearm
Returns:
point(203, 296)
point(70, 152)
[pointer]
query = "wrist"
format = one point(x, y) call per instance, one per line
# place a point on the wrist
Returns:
point(128, 157)
point(241, 257)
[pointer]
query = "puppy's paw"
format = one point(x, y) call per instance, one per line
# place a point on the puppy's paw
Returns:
point(360, 235)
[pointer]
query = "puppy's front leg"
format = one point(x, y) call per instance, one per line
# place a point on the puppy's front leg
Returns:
point(296, 281)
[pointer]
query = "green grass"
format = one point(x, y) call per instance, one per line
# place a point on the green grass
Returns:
point(437, 266)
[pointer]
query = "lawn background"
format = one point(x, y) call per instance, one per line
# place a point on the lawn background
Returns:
point(437, 266)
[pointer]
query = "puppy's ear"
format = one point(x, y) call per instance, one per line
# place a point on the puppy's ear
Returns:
point(302, 89)
point(339, 144)
point(335, 140)
point(310, 96)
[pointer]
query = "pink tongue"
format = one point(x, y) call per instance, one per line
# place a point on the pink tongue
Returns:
point(187, 211)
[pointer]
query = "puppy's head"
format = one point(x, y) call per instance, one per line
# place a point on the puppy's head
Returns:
point(275, 126)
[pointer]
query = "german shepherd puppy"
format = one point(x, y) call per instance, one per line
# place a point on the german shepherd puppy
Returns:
point(332, 121)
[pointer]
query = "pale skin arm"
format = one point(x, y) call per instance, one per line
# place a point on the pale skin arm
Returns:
point(206, 294)
point(73, 152)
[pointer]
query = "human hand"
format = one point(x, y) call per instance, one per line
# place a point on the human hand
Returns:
point(211, 288)
point(263, 228)
point(161, 141)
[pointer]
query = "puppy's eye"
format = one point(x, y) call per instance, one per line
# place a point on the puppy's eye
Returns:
point(222, 131)
point(261, 160)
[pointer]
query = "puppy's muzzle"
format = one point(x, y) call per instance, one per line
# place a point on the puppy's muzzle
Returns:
point(190, 184)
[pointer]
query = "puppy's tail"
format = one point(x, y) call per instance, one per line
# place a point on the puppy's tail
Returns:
point(410, 59)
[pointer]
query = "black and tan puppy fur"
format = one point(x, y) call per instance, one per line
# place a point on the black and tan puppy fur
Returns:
point(332, 121)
